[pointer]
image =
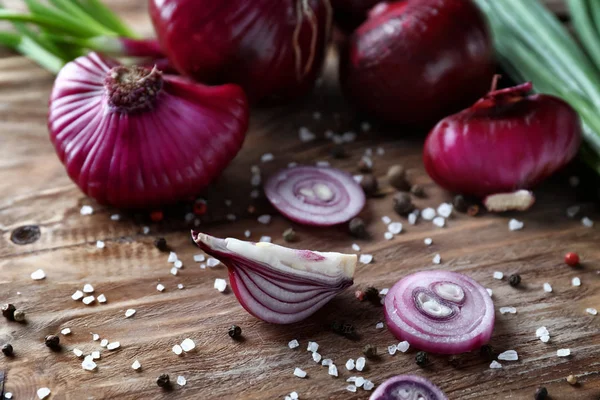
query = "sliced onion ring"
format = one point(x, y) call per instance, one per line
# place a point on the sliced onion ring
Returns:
point(520, 200)
point(319, 196)
point(440, 312)
point(408, 387)
point(277, 284)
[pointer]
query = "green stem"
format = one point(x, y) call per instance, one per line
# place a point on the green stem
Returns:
point(46, 22)
point(71, 9)
point(32, 50)
point(584, 26)
point(104, 15)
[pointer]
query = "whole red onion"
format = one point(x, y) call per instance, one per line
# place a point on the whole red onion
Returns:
point(415, 62)
point(351, 13)
point(273, 49)
point(132, 137)
point(508, 140)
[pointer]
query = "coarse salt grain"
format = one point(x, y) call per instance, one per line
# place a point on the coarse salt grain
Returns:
point(178, 264)
point(428, 241)
point(231, 217)
point(490, 292)
point(541, 331)
point(265, 239)
point(312, 347)
point(357, 178)
point(86, 210)
point(136, 365)
point(437, 259)
point(174, 271)
point(255, 194)
point(181, 381)
point(368, 385)
point(255, 180)
point(115, 217)
point(188, 345)
point(247, 233)
point(588, 223)
point(360, 364)
point(576, 281)
point(327, 362)
point(379, 325)
point(113, 345)
point(439, 222)
point(104, 343)
point(360, 381)
point(322, 164)
point(78, 295)
point(412, 217)
point(386, 220)
point(332, 370)
point(160, 287)
point(591, 311)
point(380, 151)
point(294, 396)
point(515, 225)
point(316, 357)
point(172, 257)
point(392, 349)
point(88, 300)
point(95, 337)
point(509, 310)
point(88, 364)
point(95, 355)
point(8, 395)
point(100, 244)
point(445, 209)
point(293, 344)
point(199, 258)
point(177, 349)
point(146, 230)
point(42, 393)
point(563, 352)
point(351, 388)
point(220, 284)
point(498, 275)
point(495, 365)
point(403, 346)
point(212, 262)
point(365, 258)
point(264, 219)
point(77, 352)
point(428, 214)
point(66, 331)
point(180, 286)
point(384, 291)
point(545, 338)
point(299, 373)
point(129, 313)
point(350, 364)
point(349, 137)
point(395, 228)
point(355, 247)
point(306, 135)
point(573, 211)
point(38, 275)
point(267, 157)
point(508, 355)
point(388, 235)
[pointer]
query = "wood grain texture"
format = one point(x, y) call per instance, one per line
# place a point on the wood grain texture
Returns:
point(36, 190)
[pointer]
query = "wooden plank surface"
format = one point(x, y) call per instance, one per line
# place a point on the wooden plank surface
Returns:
point(35, 190)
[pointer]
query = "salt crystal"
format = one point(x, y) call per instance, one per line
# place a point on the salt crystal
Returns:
point(299, 373)
point(199, 258)
point(267, 157)
point(332, 370)
point(395, 228)
point(437, 259)
point(77, 352)
point(88, 364)
point(545, 338)
point(368, 152)
point(360, 381)
point(379, 325)
point(322, 164)
point(388, 235)
point(541, 331)
point(365, 126)
point(86, 210)
point(66, 331)
point(412, 218)
point(100, 244)
point(265, 239)
point(357, 178)
point(495, 365)
point(547, 287)
point(247, 233)
point(294, 396)
point(87, 288)
point(591, 311)
point(212, 262)
point(38, 275)
point(360, 365)
point(146, 230)
point(511, 310)
point(180, 286)
point(563, 352)
point(104, 343)
point(95, 337)
point(351, 388)
point(231, 217)
point(78, 295)
point(428, 241)
point(306, 135)
point(384, 291)
point(576, 281)
point(292, 164)
point(573, 211)
point(177, 349)
point(312, 347)
point(350, 364)
point(113, 345)
point(498, 275)
point(129, 313)
point(264, 219)
point(428, 214)
point(160, 287)
point(514, 225)
point(293, 344)
point(88, 300)
point(178, 264)
point(508, 355)
point(115, 217)
point(403, 346)
point(490, 292)
point(136, 365)
point(8, 395)
point(328, 134)
point(316, 357)
point(365, 258)
point(255, 169)
point(445, 209)
point(181, 381)
point(439, 222)
point(188, 345)
point(368, 385)
point(101, 298)
point(95, 355)
point(386, 220)
point(44, 392)
point(392, 349)
point(349, 137)
point(355, 247)
point(220, 284)
point(380, 151)
point(172, 257)
point(327, 362)
point(174, 271)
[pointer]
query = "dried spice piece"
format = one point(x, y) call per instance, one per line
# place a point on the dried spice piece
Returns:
point(397, 177)
point(360, 295)
point(370, 351)
point(163, 381)
point(460, 204)
point(289, 235)
point(369, 184)
point(235, 332)
point(473, 210)
point(199, 208)
point(417, 191)
point(344, 329)
point(514, 280)
point(572, 379)
point(422, 358)
point(52, 341)
point(25, 234)
point(487, 352)
point(403, 203)
point(161, 244)
point(372, 295)
point(357, 228)
point(156, 216)
point(7, 350)
point(572, 259)
point(365, 165)
point(8, 311)
point(19, 316)
point(541, 393)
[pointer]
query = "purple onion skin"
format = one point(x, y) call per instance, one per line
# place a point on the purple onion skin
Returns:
point(148, 155)
point(506, 141)
point(349, 14)
point(416, 385)
point(416, 62)
point(273, 49)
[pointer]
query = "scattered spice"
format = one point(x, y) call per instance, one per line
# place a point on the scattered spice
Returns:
point(8, 311)
point(7, 350)
point(369, 184)
point(572, 259)
point(421, 358)
point(235, 332)
point(397, 177)
point(163, 381)
point(370, 351)
point(52, 341)
point(417, 190)
point(344, 329)
point(161, 244)
point(199, 207)
point(487, 352)
point(360, 295)
point(156, 216)
point(455, 361)
point(25, 234)
point(338, 151)
point(572, 379)
point(403, 203)
point(541, 393)
point(372, 295)
point(289, 235)
point(357, 228)
point(365, 165)
point(514, 280)
point(460, 204)
point(473, 210)
point(19, 316)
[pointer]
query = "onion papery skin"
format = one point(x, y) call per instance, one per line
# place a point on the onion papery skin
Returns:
point(269, 287)
point(166, 152)
point(413, 63)
point(506, 141)
point(347, 197)
point(349, 14)
point(469, 327)
point(407, 387)
point(273, 49)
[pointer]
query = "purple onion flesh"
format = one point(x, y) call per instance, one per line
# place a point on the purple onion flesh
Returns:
point(408, 387)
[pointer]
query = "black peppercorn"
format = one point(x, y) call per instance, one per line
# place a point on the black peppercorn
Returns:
point(369, 184)
point(7, 349)
point(8, 312)
point(348, 330)
point(514, 280)
point(372, 295)
point(370, 351)
point(460, 204)
point(417, 190)
point(289, 235)
point(52, 341)
point(163, 381)
point(25, 234)
point(403, 203)
point(397, 177)
point(235, 331)
point(161, 244)
point(541, 393)
point(19, 316)
point(357, 228)
point(421, 358)
point(487, 352)
point(344, 329)
point(338, 151)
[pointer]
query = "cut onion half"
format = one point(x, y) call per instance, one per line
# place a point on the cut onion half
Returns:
point(277, 284)
point(520, 200)
point(440, 312)
point(408, 387)
point(319, 196)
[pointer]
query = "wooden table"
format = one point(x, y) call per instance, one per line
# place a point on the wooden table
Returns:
point(35, 190)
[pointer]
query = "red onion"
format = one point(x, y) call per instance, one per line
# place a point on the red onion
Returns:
point(318, 196)
point(520, 200)
point(349, 14)
point(273, 49)
point(505, 141)
point(414, 63)
point(132, 137)
point(277, 284)
point(440, 312)
point(408, 387)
